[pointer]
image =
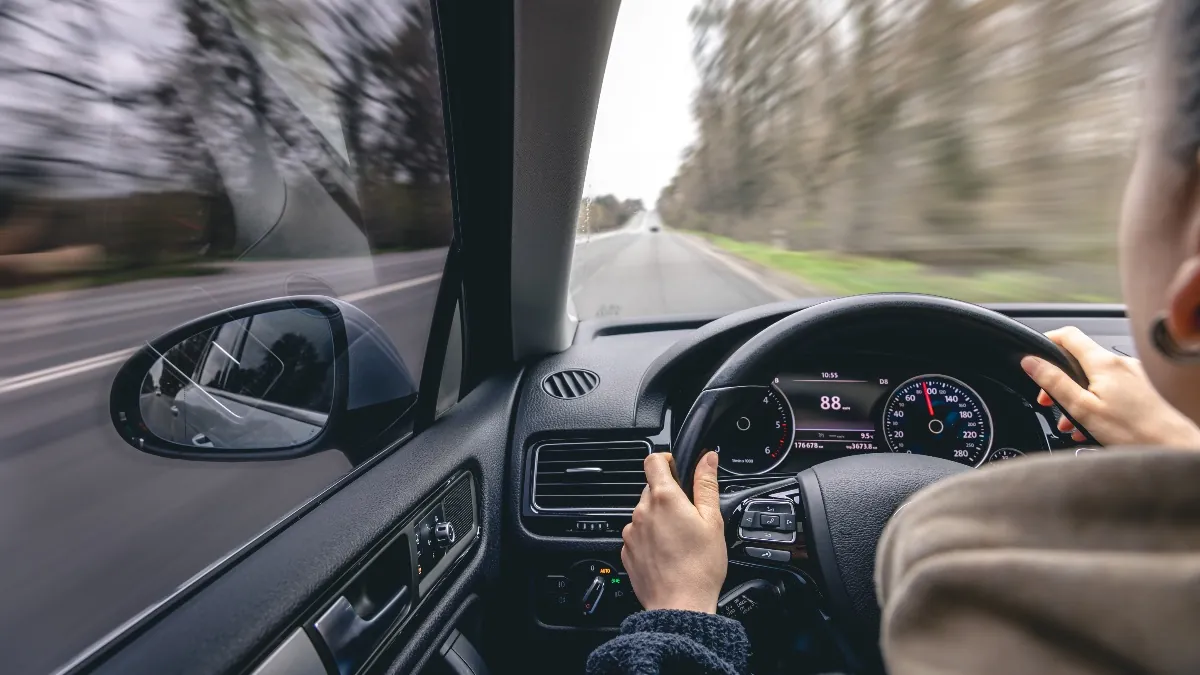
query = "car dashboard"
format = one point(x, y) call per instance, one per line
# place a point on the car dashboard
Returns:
point(578, 443)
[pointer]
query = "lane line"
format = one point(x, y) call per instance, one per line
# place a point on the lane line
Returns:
point(19, 382)
point(588, 238)
point(66, 370)
point(390, 288)
point(736, 268)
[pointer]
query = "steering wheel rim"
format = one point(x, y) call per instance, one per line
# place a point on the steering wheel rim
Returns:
point(863, 491)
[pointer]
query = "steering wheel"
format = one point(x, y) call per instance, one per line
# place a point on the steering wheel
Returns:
point(845, 503)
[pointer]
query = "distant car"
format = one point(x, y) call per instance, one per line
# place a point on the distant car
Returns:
point(655, 227)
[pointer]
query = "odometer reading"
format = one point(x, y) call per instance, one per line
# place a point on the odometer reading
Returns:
point(938, 416)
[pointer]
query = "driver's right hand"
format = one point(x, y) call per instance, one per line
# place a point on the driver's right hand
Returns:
point(1120, 407)
point(675, 550)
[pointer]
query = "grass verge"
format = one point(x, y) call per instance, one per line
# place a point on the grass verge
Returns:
point(838, 274)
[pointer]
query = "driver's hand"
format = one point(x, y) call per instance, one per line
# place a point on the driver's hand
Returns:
point(675, 551)
point(1119, 407)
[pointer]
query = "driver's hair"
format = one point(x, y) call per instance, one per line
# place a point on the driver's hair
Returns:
point(1177, 47)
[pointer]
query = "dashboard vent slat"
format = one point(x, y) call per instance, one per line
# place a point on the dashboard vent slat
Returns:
point(589, 476)
point(570, 384)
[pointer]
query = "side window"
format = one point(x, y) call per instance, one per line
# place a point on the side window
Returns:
point(161, 161)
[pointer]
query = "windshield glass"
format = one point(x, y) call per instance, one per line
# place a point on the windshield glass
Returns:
point(748, 151)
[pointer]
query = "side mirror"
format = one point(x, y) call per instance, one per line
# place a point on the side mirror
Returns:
point(269, 380)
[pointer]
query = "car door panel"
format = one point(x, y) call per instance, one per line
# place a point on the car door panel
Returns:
point(235, 618)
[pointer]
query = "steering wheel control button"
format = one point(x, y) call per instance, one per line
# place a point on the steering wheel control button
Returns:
point(769, 554)
point(771, 520)
point(770, 506)
point(768, 536)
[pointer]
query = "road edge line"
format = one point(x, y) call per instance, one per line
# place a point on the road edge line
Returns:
point(735, 267)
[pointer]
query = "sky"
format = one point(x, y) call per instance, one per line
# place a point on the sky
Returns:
point(644, 121)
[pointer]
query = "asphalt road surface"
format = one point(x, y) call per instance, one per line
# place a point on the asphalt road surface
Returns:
point(92, 531)
point(646, 269)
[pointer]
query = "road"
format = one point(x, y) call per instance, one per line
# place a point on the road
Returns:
point(646, 269)
point(92, 531)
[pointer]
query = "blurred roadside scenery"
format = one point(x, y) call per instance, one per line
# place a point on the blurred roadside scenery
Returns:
point(143, 138)
point(970, 148)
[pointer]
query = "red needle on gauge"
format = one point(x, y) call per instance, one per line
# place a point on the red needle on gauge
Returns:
point(928, 402)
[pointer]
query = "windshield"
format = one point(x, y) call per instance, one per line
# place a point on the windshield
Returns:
point(748, 151)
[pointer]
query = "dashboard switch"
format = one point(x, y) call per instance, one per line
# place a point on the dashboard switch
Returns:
point(768, 521)
point(750, 520)
point(787, 523)
point(444, 535)
point(591, 597)
point(554, 583)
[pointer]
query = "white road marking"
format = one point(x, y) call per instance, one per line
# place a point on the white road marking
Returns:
point(588, 238)
point(390, 288)
point(35, 378)
point(66, 370)
point(737, 268)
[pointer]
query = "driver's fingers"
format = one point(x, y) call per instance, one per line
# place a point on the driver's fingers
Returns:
point(1065, 425)
point(705, 492)
point(1044, 399)
point(658, 472)
point(1080, 345)
point(1055, 382)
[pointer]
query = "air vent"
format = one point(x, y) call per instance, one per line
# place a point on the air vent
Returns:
point(568, 384)
point(589, 476)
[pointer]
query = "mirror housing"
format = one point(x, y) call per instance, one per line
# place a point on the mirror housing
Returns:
point(263, 381)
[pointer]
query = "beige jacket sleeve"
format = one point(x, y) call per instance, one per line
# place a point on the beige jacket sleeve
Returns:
point(1063, 564)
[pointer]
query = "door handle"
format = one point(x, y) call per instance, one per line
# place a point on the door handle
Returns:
point(351, 638)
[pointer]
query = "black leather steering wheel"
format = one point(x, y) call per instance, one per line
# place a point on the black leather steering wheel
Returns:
point(847, 502)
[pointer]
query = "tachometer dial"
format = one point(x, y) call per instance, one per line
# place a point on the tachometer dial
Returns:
point(938, 416)
point(755, 436)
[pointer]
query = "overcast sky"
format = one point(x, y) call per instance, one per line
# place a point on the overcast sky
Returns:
point(644, 121)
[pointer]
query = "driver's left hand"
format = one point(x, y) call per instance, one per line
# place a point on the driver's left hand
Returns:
point(675, 551)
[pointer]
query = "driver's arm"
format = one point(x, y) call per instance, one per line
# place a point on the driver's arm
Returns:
point(675, 555)
point(1119, 407)
point(1048, 565)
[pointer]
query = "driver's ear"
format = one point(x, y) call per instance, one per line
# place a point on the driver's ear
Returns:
point(1183, 303)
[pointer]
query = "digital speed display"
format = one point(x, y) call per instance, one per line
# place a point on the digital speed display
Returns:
point(833, 411)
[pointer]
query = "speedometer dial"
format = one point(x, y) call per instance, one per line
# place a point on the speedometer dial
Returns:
point(754, 437)
point(938, 416)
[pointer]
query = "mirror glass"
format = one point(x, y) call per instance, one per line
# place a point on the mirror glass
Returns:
point(261, 382)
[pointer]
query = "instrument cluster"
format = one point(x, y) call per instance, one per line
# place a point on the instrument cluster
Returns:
point(867, 404)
